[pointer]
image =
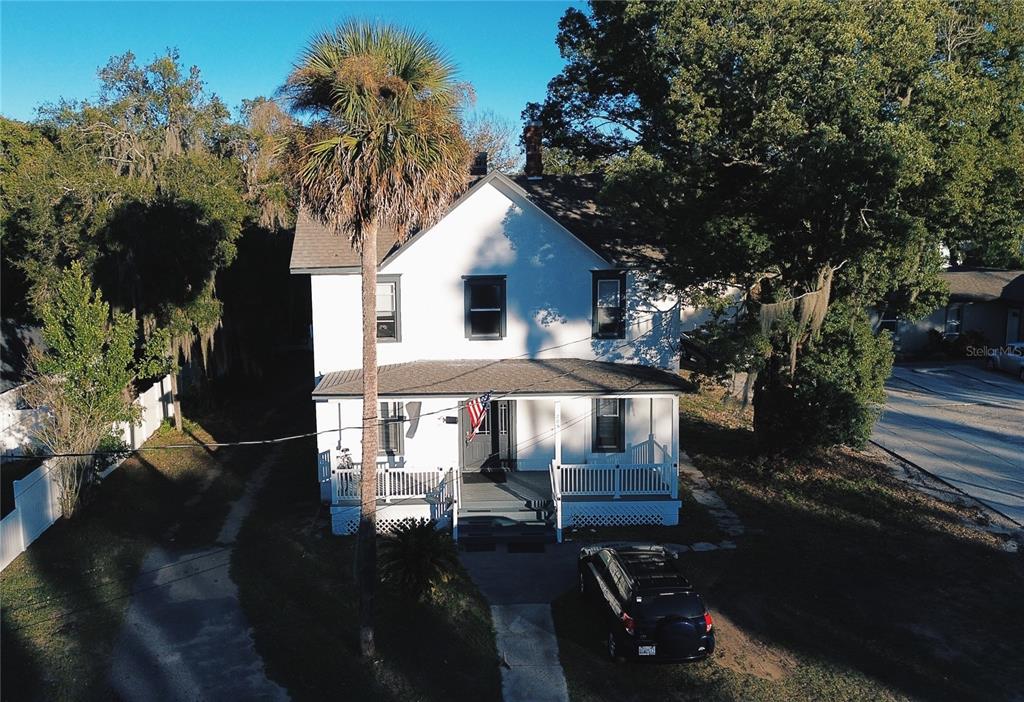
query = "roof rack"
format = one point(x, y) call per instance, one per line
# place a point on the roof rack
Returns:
point(653, 568)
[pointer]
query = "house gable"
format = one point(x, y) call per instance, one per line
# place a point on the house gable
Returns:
point(474, 200)
point(318, 251)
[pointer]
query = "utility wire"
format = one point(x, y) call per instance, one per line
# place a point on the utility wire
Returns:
point(294, 437)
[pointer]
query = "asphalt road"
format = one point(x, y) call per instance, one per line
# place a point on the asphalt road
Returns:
point(963, 424)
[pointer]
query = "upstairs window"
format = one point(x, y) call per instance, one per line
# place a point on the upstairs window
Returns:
point(391, 429)
point(485, 307)
point(609, 425)
point(609, 313)
point(388, 323)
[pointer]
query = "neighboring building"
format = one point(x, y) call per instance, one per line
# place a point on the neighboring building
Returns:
point(526, 291)
point(985, 307)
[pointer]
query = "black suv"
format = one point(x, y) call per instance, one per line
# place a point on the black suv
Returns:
point(652, 611)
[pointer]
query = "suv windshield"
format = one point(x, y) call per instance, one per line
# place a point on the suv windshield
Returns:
point(676, 604)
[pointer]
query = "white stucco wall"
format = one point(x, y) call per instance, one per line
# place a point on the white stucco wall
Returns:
point(433, 443)
point(549, 294)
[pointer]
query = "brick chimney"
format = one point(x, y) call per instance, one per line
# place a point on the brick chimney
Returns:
point(531, 137)
point(479, 165)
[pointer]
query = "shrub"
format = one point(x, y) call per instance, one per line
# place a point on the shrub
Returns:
point(417, 557)
point(838, 390)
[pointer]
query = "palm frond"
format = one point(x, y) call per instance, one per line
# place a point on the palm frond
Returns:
point(388, 147)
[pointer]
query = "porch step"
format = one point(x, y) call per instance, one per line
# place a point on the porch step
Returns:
point(519, 528)
point(516, 513)
point(518, 510)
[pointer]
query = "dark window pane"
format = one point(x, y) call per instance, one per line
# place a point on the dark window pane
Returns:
point(386, 328)
point(485, 323)
point(608, 293)
point(680, 604)
point(608, 425)
point(607, 432)
point(484, 296)
point(608, 320)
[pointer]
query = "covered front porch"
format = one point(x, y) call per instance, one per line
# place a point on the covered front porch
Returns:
point(600, 447)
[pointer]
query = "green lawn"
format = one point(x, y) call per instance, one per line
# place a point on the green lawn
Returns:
point(64, 598)
point(296, 584)
point(848, 585)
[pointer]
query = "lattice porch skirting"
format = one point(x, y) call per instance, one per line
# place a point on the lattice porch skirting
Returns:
point(620, 513)
point(345, 518)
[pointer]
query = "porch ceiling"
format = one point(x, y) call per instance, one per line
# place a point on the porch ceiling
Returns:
point(555, 376)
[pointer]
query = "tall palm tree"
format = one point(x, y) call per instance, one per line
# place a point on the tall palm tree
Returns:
point(381, 148)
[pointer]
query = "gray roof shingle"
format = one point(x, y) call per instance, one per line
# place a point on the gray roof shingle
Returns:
point(984, 285)
point(505, 376)
point(572, 201)
point(315, 246)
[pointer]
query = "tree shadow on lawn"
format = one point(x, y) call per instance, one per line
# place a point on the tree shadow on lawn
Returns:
point(296, 583)
point(891, 619)
point(873, 576)
point(65, 597)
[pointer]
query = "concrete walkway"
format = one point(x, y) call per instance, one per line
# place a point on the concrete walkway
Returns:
point(184, 636)
point(531, 671)
point(520, 588)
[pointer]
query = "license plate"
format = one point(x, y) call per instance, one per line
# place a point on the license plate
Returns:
point(647, 651)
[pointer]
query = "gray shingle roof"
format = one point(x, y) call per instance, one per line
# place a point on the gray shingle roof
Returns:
point(572, 201)
point(517, 376)
point(985, 285)
point(315, 246)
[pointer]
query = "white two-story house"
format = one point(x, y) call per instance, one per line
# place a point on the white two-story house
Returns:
point(522, 290)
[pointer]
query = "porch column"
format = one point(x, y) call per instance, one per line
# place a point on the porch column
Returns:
point(558, 432)
point(675, 457)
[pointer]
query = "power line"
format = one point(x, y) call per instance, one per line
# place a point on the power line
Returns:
point(294, 437)
point(38, 605)
point(378, 421)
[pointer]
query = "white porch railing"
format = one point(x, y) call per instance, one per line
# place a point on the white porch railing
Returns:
point(617, 480)
point(396, 483)
point(610, 480)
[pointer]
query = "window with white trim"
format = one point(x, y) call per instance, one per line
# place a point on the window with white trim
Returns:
point(391, 429)
point(388, 317)
point(609, 425)
point(609, 309)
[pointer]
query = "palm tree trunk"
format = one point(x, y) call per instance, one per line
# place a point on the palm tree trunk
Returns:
point(366, 560)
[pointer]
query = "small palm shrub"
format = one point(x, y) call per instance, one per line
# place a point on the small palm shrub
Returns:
point(417, 557)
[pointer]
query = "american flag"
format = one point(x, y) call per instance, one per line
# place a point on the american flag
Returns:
point(477, 410)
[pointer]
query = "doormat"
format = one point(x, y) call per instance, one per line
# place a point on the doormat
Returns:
point(484, 477)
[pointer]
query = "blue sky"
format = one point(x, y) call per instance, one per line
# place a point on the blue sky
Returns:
point(244, 49)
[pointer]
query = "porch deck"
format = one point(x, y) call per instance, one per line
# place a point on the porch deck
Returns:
point(572, 495)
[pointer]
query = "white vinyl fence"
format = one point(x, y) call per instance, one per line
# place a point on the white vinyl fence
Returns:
point(17, 422)
point(36, 504)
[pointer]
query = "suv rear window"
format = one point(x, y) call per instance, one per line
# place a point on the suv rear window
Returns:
point(678, 604)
